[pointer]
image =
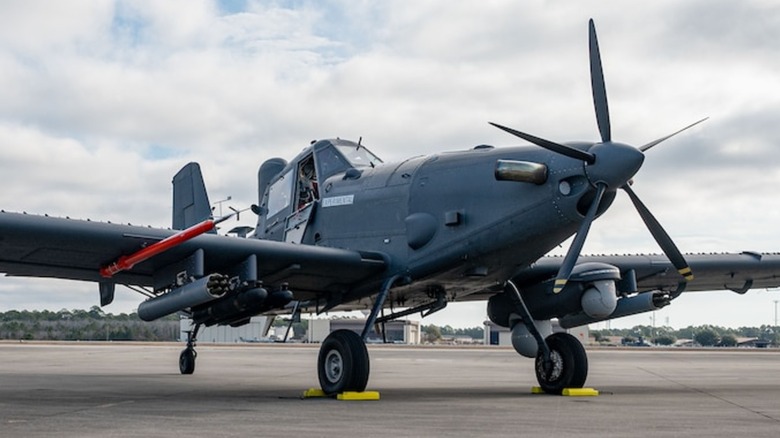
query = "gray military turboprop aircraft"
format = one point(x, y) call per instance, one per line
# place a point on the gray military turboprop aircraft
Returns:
point(339, 229)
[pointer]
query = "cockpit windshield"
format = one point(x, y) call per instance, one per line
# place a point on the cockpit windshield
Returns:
point(358, 156)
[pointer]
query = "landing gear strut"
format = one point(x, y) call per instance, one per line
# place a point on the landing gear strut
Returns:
point(343, 363)
point(561, 361)
point(188, 355)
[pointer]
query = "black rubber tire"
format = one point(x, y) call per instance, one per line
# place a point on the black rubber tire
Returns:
point(343, 363)
point(187, 361)
point(570, 364)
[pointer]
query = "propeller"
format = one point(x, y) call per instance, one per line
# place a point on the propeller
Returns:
point(609, 166)
point(550, 145)
point(597, 85)
point(660, 235)
point(579, 240)
point(655, 142)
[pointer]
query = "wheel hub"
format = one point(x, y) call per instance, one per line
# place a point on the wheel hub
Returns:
point(555, 370)
point(334, 366)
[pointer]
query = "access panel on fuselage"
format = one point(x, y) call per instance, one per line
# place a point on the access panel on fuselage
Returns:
point(363, 211)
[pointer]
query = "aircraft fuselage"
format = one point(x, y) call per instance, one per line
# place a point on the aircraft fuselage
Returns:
point(445, 220)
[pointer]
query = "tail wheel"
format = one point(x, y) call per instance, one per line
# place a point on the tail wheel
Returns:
point(569, 367)
point(343, 363)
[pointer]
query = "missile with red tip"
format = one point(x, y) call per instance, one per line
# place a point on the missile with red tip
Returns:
point(127, 262)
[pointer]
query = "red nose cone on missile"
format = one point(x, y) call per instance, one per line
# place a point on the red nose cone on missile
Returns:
point(125, 263)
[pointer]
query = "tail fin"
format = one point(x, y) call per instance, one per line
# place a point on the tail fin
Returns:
point(190, 200)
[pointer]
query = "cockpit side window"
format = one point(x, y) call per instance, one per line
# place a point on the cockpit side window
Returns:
point(280, 194)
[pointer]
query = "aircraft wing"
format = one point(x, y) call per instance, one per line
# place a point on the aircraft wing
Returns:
point(729, 271)
point(42, 246)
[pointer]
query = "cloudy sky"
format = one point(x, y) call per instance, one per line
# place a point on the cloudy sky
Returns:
point(101, 102)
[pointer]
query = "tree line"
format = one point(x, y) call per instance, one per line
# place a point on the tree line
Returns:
point(705, 335)
point(96, 325)
point(85, 325)
point(433, 333)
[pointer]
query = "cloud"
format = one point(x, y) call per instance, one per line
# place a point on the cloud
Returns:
point(102, 102)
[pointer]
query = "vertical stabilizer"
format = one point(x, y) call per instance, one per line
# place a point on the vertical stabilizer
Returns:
point(190, 200)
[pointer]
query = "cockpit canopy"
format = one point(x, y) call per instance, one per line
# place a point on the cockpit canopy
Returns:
point(335, 156)
point(293, 186)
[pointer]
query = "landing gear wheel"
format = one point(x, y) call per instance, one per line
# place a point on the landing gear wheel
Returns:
point(343, 363)
point(569, 367)
point(187, 361)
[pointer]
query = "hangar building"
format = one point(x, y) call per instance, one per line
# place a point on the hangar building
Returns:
point(400, 331)
point(258, 330)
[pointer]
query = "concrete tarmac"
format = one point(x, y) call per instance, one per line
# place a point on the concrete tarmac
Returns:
point(107, 390)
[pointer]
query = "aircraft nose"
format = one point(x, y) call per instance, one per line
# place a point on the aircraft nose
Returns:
point(614, 165)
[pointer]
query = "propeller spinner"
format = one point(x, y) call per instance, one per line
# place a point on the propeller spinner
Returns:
point(608, 166)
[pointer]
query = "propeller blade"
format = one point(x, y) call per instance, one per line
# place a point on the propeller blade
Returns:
point(661, 236)
point(655, 142)
point(598, 87)
point(579, 240)
point(550, 146)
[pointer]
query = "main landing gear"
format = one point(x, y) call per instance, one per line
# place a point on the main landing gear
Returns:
point(561, 361)
point(567, 366)
point(343, 363)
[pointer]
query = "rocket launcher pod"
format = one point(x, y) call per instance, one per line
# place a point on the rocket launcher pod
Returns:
point(200, 291)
